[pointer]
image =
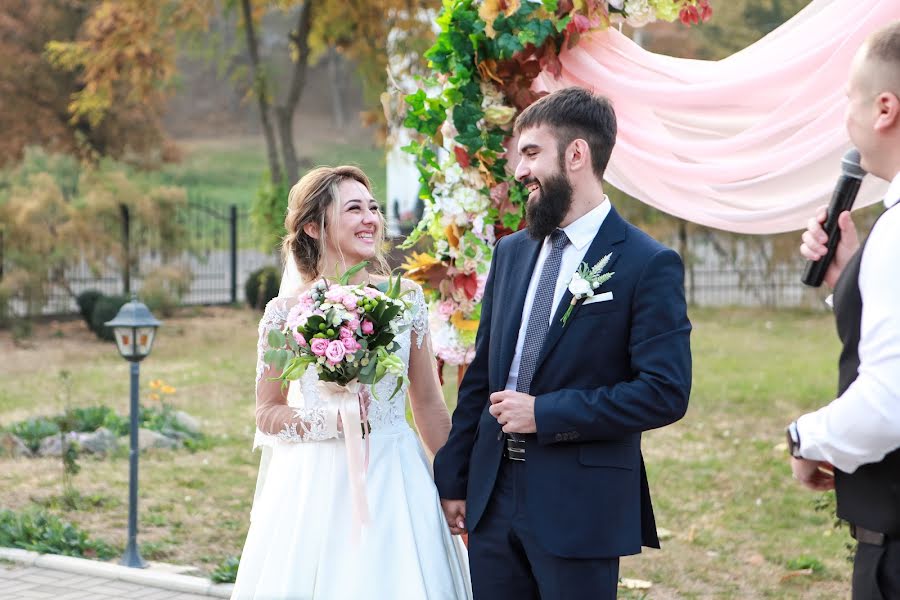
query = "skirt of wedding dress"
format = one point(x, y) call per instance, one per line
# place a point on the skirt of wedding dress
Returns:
point(303, 545)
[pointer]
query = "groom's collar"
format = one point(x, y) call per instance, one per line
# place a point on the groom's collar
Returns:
point(583, 230)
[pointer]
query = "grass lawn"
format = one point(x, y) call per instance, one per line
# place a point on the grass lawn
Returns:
point(741, 528)
point(230, 171)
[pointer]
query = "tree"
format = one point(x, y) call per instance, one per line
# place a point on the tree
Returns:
point(35, 97)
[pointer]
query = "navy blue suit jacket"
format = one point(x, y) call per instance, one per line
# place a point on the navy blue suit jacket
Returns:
point(616, 369)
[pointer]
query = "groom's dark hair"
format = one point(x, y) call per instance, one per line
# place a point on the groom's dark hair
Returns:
point(575, 113)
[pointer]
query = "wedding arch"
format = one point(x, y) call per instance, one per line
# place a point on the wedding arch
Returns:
point(748, 144)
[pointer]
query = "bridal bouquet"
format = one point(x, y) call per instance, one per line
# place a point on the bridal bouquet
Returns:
point(345, 331)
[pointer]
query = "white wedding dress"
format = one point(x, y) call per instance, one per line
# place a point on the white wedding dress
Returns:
point(303, 542)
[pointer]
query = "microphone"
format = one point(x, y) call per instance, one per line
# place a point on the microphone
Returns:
point(842, 199)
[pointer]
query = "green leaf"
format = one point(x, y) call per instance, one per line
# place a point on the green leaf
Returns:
point(349, 273)
point(276, 339)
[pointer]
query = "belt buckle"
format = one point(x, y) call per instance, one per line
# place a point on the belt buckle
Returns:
point(515, 449)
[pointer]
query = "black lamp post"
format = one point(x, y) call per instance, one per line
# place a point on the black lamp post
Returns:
point(135, 328)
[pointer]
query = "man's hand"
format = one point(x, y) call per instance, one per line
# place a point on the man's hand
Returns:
point(514, 411)
point(815, 474)
point(455, 513)
point(814, 240)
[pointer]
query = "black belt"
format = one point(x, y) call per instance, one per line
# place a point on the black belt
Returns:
point(867, 536)
point(515, 449)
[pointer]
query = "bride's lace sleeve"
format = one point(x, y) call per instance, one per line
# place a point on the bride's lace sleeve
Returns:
point(274, 417)
point(426, 397)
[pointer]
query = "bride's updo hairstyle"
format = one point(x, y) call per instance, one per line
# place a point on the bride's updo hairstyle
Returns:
point(315, 199)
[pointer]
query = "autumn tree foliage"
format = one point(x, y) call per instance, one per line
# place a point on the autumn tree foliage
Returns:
point(62, 100)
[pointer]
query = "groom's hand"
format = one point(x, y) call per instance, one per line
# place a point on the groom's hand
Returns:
point(514, 411)
point(455, 513)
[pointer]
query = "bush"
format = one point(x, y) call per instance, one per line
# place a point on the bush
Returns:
point(89, 419)
point(86, 301)
point(33, 431)
point(227, 570)
point(261, 286)
point(164, 287)
point(39, 531)
point(105, 310)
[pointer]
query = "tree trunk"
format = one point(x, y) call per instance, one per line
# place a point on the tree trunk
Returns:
point(335, 77)
point(285, 111)
point(260, 87)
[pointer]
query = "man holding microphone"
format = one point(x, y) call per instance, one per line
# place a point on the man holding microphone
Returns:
point(853, 443)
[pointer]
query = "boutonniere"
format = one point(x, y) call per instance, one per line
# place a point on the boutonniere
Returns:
point(585, 281)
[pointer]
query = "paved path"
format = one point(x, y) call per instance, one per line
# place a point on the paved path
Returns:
point(31, 576)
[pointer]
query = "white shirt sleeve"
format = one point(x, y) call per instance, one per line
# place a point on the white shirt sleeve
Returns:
point(863, 425)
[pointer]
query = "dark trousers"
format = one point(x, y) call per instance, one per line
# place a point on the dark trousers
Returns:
point(507, 563)
point(876, 571)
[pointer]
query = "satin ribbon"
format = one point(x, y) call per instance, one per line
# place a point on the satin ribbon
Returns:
point(347, 399)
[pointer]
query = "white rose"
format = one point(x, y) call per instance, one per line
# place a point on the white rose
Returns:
point(639, 13)
point(617, 4)
point(580, 287)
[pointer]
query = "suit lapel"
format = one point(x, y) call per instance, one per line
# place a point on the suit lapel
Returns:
point(519, 276)
point(611, 234)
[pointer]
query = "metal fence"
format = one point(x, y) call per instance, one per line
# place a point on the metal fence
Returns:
point(218, 254)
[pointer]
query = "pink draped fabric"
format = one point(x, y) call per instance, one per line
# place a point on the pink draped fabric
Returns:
point(749, 144)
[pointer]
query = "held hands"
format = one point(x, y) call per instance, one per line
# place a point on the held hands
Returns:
point(813, 474)
point(455, 513)
point(814, 240)
point(514, 411)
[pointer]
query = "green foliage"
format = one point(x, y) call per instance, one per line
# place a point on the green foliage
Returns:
point(261, 286)
point(267, 213)
point(86, 301)
point(105, 309)
point(39, 531)
point(227, 570)
point(33, 431)
point(806, 562)
point(91, 418)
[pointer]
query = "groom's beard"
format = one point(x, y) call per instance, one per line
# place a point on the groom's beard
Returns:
point(546, 212)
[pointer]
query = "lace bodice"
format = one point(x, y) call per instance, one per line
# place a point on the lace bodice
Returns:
point(299, 415)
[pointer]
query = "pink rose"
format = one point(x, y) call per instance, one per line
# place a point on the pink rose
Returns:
point(445, 309)
point(353, 324)
point(351, 345)
point(345, 332)
point(299, 339)
point(334, 294)
point(367, 327)
point(319, 346)
point(335, 351)
point(349, 301)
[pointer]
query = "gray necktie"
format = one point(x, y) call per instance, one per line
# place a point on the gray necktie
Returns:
point(539, 318)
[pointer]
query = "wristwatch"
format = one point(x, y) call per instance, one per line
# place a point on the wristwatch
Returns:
point(793, 440)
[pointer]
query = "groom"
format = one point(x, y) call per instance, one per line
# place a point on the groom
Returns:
point(543, 467)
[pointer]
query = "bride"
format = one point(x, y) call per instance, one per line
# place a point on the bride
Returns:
point(304, 540)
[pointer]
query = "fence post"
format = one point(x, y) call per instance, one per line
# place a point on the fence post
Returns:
point(234, 248)
point(126, 247)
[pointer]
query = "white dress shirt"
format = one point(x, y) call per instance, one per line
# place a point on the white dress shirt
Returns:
point(863, 424)
point(581, 233)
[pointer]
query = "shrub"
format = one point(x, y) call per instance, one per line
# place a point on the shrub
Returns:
point(163, 288)
point(38, 531)
point(88, 419)
point(105, 310)
point(226, 572)
point(33, 431)
point(262, 285)
point(86, 301)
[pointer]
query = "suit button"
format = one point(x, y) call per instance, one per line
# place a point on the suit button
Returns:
point(499, 436)
point(574, 435)
point(559, 437)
